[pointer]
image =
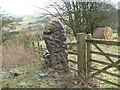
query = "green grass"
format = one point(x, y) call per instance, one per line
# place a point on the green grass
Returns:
point(24, 24)
point(28, 76)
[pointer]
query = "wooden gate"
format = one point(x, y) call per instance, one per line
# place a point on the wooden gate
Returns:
point(109, 62)
point(84, 61)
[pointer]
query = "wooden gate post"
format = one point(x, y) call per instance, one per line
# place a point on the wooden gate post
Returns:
point(81, 49)
point(89, 48)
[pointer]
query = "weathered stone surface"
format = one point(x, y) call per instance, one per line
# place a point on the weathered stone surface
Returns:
point(55, 39)
point(15, 72)
point(46, 57)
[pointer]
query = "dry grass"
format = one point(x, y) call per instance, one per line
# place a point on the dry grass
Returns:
point(17, 51)
point(106, 49)
point(15, 55)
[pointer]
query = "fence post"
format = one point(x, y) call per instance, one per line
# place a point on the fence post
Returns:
point(89, 48)
point(38, 44)
point(33, 44)
point(81, 49)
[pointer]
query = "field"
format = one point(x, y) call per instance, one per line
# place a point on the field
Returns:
point(23, 65)
point(28, 64)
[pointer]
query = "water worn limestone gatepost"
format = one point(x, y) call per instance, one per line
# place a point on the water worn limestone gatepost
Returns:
point(55, 39)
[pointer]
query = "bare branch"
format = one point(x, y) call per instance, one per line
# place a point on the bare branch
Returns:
point(47, 11)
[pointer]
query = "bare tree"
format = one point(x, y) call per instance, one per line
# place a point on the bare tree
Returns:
point(85, 16)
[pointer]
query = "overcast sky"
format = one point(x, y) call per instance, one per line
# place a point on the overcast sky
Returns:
point(22, 7)
point(25, 7)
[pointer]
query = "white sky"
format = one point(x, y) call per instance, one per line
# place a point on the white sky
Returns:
point(25, 7)
point(22, 7)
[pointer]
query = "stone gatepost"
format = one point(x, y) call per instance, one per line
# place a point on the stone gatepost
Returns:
point(55, 39)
